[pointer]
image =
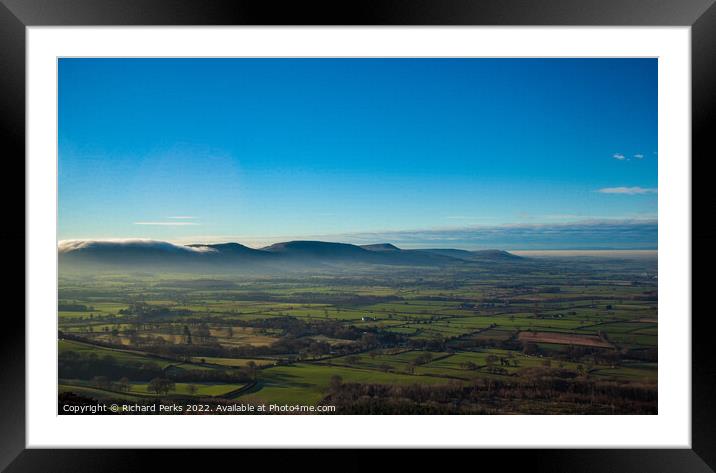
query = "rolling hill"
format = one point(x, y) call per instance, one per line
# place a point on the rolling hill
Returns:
point(299, 255)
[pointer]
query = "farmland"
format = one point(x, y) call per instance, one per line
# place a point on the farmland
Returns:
point(535, 335)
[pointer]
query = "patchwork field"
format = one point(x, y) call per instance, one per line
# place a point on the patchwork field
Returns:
point(502, 338)
point(564, 339)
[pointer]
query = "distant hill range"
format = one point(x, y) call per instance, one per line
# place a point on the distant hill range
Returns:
point(299, 255)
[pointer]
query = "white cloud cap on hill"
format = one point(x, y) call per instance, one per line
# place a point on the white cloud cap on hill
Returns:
point(65, 246)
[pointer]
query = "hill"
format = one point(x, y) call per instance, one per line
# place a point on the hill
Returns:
point(153, 255)
point(381, 247)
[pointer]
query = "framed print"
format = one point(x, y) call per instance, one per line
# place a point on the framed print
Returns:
point(248, 228)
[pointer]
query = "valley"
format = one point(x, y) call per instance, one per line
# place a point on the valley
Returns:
point(368, 330)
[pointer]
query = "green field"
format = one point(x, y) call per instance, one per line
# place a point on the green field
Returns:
point(369, 334)
point(306, 383)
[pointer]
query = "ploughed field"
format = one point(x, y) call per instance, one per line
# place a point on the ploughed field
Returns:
point(567, 335)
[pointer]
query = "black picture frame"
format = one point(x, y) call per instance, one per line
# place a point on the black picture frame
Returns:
point(16, 15)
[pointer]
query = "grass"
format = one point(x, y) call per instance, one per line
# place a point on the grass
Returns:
point(233, 362)
point(305, 383)
point(122, 356)
point(465, 315)
point(141, 390)
point(96, 393)
point(203, 389)
point(637, 372)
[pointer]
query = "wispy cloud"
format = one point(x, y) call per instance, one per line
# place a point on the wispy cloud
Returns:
point(585, 217)
point(468, 217)
point(636, 190)
point(639, 156)
point(173, 221)
point(168, 224)
point(619, 157)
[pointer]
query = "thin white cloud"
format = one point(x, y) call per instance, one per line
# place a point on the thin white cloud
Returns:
point(636, 190)
point(66, 246)
point(468, 217)
point(585, 217)
point(639, 156)
point(619, 157)
point(168, 224)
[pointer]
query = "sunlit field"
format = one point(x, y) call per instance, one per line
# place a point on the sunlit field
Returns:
point(533, 335)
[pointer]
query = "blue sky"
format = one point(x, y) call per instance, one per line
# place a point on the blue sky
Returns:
point(260, 150)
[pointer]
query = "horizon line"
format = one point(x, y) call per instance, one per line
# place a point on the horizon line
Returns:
point(583, 248)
